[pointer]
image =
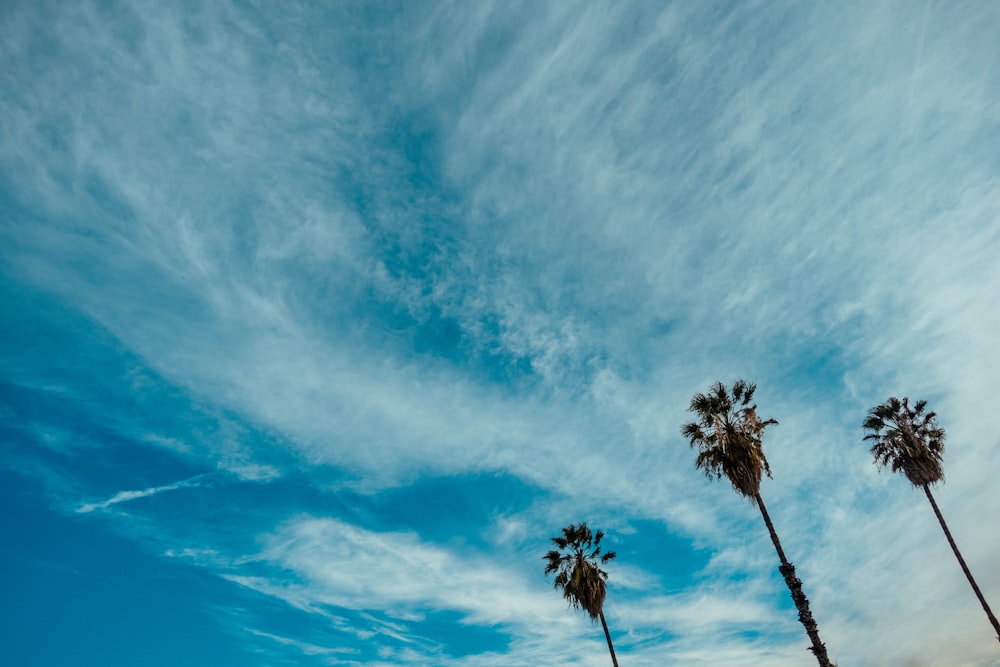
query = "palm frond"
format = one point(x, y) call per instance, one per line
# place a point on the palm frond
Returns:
point(728, 436)
point(576, 567)
point(907, 439)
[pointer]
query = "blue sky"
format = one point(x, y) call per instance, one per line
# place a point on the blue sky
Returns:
point(320, 320)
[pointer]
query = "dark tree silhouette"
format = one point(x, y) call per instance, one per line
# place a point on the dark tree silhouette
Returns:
point(577, 566)
point(908, 440)
point(728, 437)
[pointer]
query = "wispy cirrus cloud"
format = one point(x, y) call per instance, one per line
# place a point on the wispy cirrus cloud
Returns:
point(399, 583)
point(126, 496)
point(378, 247)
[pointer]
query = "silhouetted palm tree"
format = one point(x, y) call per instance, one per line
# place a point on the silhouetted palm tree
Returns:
point(578, 573)
point(909, 440)
point(728, 437)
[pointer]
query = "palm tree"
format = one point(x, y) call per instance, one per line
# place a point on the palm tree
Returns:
point(579, 575)
point(909, 440)
point(728, 437)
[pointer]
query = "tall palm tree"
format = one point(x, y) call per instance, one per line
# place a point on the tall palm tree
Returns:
point(728, 437)
point(577, 566)
point(908, 440)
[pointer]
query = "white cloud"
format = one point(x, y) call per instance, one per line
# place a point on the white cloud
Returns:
point(125, 496)
point(397, 579)
point(360, 569)
point(305, 648)
point(637, 203)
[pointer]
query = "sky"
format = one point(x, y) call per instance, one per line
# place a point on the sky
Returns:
point(319, 320)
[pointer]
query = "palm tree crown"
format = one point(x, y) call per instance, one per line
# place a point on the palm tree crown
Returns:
point(577, 567)
point(728, 436)
point(907, 439)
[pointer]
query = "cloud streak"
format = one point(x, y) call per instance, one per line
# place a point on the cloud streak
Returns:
point(126, 496)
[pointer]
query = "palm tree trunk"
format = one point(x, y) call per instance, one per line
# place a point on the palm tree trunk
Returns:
point(795, 587)
point(607, 636)
point(961, 561)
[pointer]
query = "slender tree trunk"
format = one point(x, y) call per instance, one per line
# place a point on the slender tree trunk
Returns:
point(795, 587)
point(607, 636)
point(961, 561)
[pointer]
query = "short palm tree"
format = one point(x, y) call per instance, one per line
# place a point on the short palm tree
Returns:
point(909, 441)
point(728, 437)
point(577, 566)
